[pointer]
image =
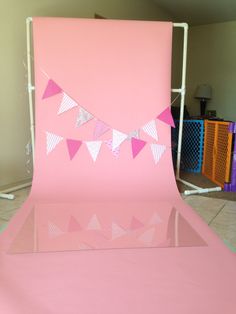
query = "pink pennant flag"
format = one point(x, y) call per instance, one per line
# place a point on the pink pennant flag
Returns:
point(136, 224)
point(116, 151)
point(73, 146)
point(166, 117)
point(100, 128)
point(137, 146)
point(73, 225)
point(51, 89)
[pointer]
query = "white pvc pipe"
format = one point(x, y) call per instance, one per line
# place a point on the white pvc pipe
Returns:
point(7, 196)
point(201, 191)
point(189, 184)
point(30, 87)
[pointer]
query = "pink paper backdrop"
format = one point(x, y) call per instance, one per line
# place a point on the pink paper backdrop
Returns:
point(120, 72)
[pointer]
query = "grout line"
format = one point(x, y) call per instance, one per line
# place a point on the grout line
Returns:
point(220, 210)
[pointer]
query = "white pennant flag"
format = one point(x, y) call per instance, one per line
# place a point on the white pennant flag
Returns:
point(147, 236)
point(94, 224)
point(117, 231)
point(150, 129)
point(52, 141)
point(54, 231)
point(67, 103)
point(94, 148)
point(118, 138)
point(84, 116)
point(157, 151)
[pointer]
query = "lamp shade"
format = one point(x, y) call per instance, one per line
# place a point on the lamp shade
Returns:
point(203, 91)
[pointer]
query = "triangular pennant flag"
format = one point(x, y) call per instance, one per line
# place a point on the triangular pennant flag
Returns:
point(100, 128)
point(166, 117)
point(116, 151)
point(137, 146)
point(157, 151)
point(147, 236)
point(73, 146)
point(155, 219)
point(84, 116)
point(94, 224)
point(51, 89)
point(117, 138)
point(117, 231)
point(73, 225)
point(54, 230)
point(136, 224)
point(134, 133)
point(150, 129)
point(67, 103)
point(52, 141)
point(94, 148)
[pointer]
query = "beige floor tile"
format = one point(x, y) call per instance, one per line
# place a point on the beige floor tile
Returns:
point(20, 197)
point(224, 223)
point(206, 207)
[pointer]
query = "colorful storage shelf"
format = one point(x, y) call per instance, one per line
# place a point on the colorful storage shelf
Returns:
point(192, 145)
point(217, 152)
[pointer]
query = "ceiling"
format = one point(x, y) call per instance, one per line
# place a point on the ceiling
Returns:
point(199, 12)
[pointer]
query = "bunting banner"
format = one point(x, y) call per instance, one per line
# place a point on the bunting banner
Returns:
point(94, 223)
point(54, 231)
point(147, 237)
point(117, 231)
point(73, 226)
point(136, 224)
point(101, 127)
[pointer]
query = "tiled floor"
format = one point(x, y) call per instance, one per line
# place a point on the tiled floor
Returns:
point(219, 214)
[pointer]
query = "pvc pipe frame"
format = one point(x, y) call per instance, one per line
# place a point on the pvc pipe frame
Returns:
point(174, 90)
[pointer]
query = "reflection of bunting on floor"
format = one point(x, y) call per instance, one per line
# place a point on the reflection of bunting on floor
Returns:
point(94, 224)
point(54, 230)
point(116, 151)
point(94, 148)
point(117, 231)
point(117, 138)
point(147, 236)
point(73, 146)
point(51, 89)
point(84, 116)
point(150, 129)
point(52, 141)
point(157, 151)
point(100, 129)
point(137, 146)
point(166, 117)
point(155, 219)
point(136, 224)
point(67, 103)
point(73, 225)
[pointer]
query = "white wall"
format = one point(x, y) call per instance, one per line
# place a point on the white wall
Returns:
point(14, 115)
point(212, 60)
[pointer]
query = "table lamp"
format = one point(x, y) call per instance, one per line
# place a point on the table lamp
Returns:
point(204, 93)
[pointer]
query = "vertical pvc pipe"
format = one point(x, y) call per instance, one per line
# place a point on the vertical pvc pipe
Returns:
point(183, 86)
point(30, 87)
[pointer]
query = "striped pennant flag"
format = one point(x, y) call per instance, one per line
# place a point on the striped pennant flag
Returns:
point(150, 129)
point(67, 103)
point(52, 141)
point(157, 151)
